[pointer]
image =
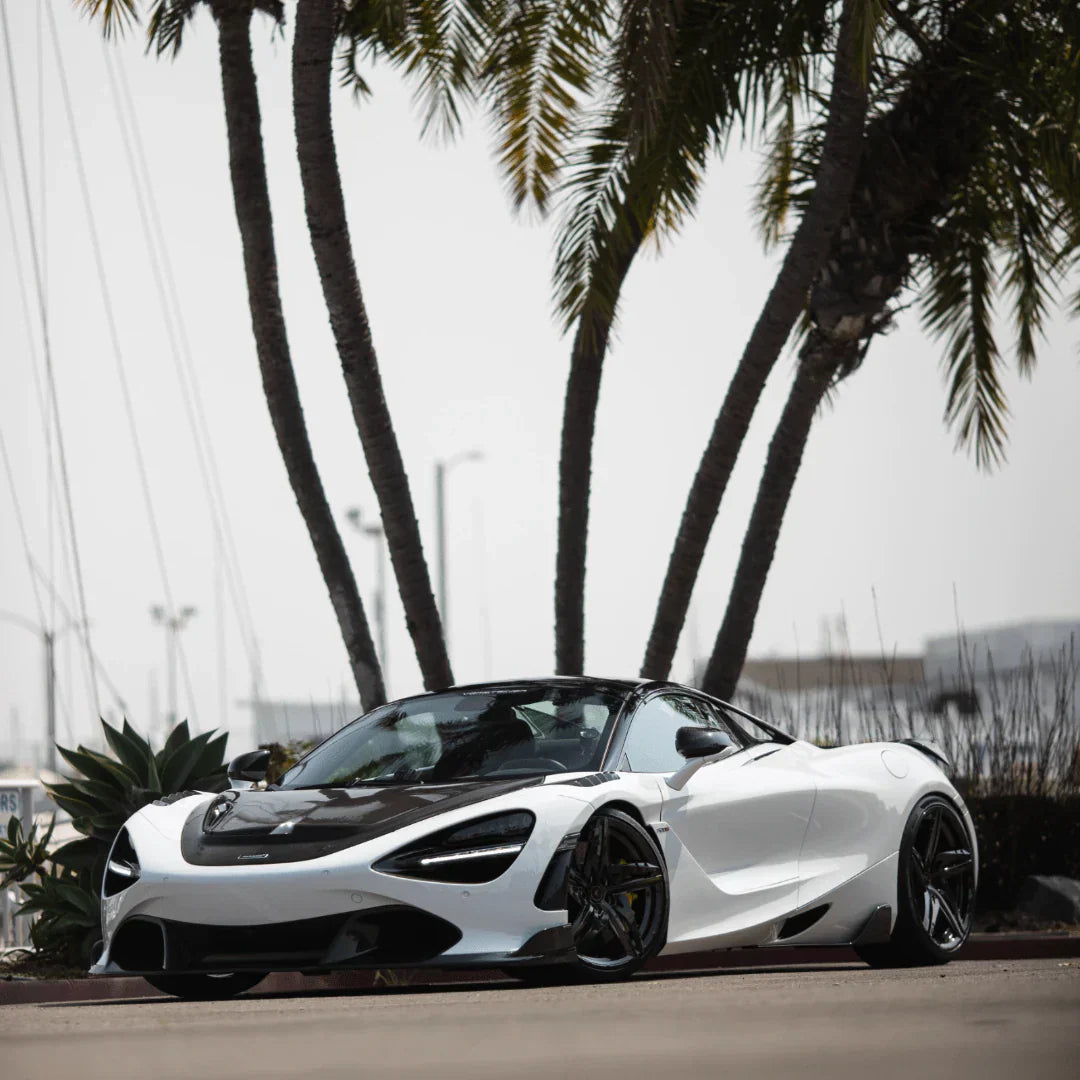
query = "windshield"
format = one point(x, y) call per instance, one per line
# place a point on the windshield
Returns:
point(467, 735)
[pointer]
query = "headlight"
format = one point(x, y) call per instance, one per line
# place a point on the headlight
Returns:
point(472, 853)
point(122, 869)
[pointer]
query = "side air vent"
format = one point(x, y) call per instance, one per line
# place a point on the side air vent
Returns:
point(802, 922)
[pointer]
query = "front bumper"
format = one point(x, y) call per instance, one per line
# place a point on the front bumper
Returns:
point(380, 938)
point(329, 913)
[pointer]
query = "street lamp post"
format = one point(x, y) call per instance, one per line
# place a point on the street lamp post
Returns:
point(48, 639)
point(441, 469)
point(376, 533)
point(173, 622)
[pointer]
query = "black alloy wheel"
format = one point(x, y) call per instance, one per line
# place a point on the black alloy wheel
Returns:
point(935, 889)
point(617, 901)
point(205, 987)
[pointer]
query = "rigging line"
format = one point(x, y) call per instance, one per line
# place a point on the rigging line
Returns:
point(50, 518)
point(196, 412)
point(165, 291)
point(66, 611)
point(194, 716)
point(50, 377)
point(28, 321)
point(110, 317)
point(21, 524)
point(53, 496)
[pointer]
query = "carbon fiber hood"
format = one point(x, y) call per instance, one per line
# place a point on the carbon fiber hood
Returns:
point(289, 825)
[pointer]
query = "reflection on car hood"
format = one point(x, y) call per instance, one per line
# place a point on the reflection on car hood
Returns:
point(288, 825)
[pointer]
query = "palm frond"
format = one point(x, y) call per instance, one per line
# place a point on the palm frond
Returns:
point(869, 18)
point(598, 211)
point(115, 15)
point(644, 55)
point(628, 181)
point(439, 44)
point(165, 28)
point(958, 306)
point(542, 66)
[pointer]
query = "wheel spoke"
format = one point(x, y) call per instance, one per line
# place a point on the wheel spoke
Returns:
point(930, 911)
point(918, 866)
point(634, 885)
point(624, 931)
point(575, 883)
point(935, 836)
point(947, 913)
point(950, 863)
point(585, 915)
point(630, 877)
point(596, 856)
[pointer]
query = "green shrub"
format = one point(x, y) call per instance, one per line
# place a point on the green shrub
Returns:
point(1021, 835)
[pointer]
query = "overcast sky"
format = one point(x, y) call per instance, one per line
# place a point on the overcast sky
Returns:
point(458, 295)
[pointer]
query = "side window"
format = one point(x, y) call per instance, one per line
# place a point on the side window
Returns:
point(725, 721)
point(744, 725)
point(650, 743)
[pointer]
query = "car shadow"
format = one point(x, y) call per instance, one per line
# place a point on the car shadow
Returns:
point(495, 984)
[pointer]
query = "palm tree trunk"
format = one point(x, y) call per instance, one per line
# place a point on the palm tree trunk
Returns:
point(575, 466)
point(328, 226)
point(915, 157)
point(817, 367)
point(828, 205)
point(247, 168)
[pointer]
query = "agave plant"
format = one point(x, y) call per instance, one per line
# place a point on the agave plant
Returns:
point(23, 854)
point(65, 895)
point(111, 789)
point(69, 915)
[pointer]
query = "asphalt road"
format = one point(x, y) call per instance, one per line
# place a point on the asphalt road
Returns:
point(1019, 1019)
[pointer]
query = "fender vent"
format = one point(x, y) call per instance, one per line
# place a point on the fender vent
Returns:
point(801, 922)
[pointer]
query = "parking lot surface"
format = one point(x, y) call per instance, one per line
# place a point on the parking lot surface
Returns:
point(1018, 1019)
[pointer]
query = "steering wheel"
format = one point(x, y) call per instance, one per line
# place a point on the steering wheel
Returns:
point(531, 763)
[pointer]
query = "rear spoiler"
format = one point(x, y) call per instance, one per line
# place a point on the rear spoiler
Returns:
point(933, 752)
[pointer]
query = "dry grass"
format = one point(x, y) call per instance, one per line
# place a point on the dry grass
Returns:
point(1019, 733)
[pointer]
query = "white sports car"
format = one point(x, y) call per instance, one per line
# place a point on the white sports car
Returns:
point(555, 828)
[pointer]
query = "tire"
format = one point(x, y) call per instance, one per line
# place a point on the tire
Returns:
point(616, 929)
point(935, 889)
point(205, 987)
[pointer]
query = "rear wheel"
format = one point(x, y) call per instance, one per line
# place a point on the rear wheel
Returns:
point(205, 987)
point(935, 889)
point(617, 900)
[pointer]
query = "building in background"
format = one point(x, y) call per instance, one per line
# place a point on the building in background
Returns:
point(1030, 667)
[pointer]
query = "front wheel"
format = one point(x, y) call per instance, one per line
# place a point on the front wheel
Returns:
point(935, 889)
point(617, 900)
point(205, 987)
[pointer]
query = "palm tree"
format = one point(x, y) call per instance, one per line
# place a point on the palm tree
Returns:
point(317, 27)
point(681, 76)
point(969, 188)
point(247, 168)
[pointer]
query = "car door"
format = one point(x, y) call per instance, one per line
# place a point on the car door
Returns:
point(741, 820)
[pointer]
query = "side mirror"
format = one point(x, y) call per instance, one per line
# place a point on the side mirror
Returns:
point(698, 742)
point(250, 767)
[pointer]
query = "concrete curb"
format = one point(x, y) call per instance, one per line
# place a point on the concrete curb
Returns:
point(25, 991)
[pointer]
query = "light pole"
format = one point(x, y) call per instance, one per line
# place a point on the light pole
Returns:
point(441, 469)
point(48, 639)
point(376, 533)
point(173, 622)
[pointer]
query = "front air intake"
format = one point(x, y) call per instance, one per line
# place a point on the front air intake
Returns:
point(139, 945)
